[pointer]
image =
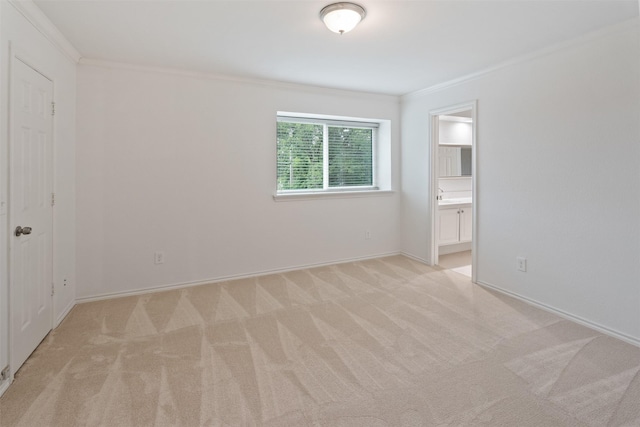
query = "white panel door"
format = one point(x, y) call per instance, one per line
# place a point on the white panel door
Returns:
point(30, 163)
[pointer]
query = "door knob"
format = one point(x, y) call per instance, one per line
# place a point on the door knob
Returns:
point(22, 230)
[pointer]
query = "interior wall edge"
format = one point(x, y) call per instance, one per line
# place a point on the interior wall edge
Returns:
point(564, 314)
point(39, 20)
point(181, 285)
point(64, 313)
point(416, 258)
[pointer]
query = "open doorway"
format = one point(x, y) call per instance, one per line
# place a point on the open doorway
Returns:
point(453, 170)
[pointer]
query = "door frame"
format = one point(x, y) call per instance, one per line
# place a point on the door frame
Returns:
point(435, 177)
point(18, 54)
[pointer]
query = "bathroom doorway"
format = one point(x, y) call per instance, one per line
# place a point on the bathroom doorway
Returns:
point(453, 175)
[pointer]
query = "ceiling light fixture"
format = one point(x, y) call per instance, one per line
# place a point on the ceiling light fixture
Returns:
point(342, 17)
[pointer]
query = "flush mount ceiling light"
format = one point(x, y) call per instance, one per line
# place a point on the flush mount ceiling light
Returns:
point(342, 17)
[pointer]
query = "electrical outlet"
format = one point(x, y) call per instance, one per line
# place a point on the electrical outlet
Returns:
point(367, 234)
point(158, 258)
point(522, 263)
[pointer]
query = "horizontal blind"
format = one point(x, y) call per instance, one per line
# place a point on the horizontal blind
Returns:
point(300, 156)
point(350, 156)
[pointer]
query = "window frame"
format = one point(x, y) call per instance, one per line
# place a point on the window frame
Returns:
point(326, 190)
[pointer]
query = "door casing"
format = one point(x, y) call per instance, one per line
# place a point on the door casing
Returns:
point(435, 176)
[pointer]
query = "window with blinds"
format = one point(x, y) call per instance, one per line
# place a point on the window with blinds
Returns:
point(324, 155)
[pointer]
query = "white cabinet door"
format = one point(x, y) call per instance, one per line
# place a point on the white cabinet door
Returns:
point(445, 162)
point(466, 224)
point(448, 229)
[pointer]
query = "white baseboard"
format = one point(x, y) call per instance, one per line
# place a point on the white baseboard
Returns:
point(64, 313)
point(584, 322)
point(416, 258)
point(456, 247)
point(4, 386)
point(173, 286)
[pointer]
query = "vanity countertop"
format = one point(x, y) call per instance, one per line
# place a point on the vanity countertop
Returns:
point(450, 203)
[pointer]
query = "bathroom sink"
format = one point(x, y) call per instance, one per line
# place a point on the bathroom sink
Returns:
point(456, 201)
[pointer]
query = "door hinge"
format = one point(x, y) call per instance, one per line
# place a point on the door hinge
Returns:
point(53, 108)
point(53, 291)
point(53, 199)
point(4, 374)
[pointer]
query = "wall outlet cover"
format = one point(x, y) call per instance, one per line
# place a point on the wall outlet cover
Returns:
point(158, 258)
point(522, 263)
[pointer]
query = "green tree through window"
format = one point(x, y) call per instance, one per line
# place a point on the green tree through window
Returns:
point(301, 162)
point(300, 156)
point(350, 157)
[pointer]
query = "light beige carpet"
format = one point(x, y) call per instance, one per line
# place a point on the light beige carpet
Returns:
point(460, 262)
point(387, 342)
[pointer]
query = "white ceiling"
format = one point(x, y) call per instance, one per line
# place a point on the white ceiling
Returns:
point(400, 47)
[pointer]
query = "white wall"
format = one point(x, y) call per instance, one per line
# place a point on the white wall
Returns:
point(26, 39)
point(186, 165)
point(456, 133)
point(558, 155)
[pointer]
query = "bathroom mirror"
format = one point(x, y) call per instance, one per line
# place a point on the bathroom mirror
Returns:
point(454, 160)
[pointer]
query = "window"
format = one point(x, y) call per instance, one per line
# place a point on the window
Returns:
point(320, 155)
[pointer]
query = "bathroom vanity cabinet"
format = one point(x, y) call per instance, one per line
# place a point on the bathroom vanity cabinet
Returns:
point(454, 224)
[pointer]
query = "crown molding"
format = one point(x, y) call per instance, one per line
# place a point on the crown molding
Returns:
point(39, 20)
point(299, 87)
point(594, 35)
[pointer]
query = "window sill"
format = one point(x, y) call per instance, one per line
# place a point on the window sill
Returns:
point(289, 197)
